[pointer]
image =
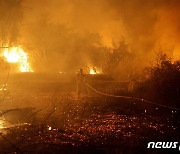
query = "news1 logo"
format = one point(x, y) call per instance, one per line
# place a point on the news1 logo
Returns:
point(163, 145)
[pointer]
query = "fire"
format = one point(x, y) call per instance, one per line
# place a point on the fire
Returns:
point(1, 124)
point(17, 55)
point(94, 70)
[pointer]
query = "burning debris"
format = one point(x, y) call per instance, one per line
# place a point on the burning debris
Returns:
point(94, 70)
point(19, 56)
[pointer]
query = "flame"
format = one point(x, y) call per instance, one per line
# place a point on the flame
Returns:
point(17, 55)
point(1, 124)
point(94, 70)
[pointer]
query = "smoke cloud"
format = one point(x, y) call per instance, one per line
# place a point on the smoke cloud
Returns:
point(63, 35)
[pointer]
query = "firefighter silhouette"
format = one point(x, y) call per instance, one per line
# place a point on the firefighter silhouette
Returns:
point(80, 82)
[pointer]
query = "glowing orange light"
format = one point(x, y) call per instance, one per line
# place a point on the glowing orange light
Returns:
point(17, 55)
point(94, 70)
point(1, 124)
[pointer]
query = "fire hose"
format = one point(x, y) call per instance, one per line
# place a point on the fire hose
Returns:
point(134, 98)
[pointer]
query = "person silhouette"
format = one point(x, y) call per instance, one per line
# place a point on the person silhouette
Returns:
point(80, 82)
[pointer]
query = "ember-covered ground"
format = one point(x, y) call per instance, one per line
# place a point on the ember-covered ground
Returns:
point(53, 120)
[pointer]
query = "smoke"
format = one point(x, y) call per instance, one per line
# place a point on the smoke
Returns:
point(62, 35)
point(10, 21)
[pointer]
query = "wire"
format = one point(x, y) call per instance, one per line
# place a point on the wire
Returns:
point(135, 98)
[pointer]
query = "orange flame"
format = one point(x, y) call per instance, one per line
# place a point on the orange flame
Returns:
point(17, 55)
point(94, 70)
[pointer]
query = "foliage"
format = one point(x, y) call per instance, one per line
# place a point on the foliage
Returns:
point(162, 83)
point(119, 60)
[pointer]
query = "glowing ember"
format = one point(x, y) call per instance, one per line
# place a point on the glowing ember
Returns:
point(3, 87)
point(17, 55)
point(49, 128)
